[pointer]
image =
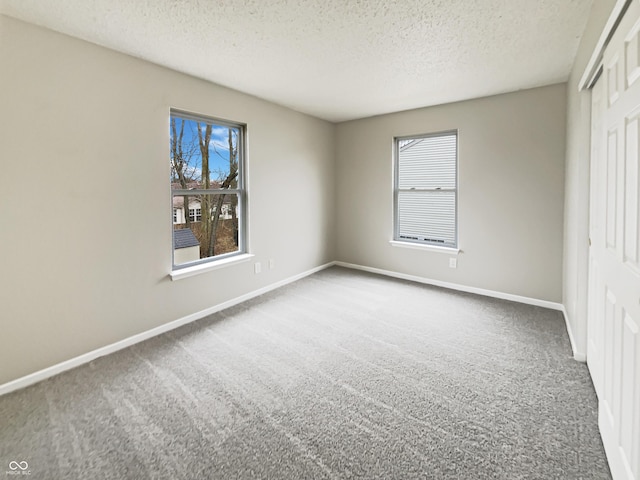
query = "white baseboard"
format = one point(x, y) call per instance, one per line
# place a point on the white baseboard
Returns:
point(455, 286)
point(48, 372)
point(577, 354)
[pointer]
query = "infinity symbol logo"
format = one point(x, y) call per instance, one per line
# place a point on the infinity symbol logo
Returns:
point(18, 465)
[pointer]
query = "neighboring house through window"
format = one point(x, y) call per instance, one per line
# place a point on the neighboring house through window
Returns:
point(207, 183)
point(425, 193)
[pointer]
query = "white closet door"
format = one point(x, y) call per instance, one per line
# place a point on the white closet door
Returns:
point(614, 283)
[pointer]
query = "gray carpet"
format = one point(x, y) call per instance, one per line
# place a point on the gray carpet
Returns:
point(340, 375)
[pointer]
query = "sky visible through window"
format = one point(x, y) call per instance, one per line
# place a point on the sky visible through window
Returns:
point(219, 167)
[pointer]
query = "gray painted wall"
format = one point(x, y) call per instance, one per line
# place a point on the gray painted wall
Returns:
point(510, 199)
point(85, 203)
point(576, 225)
point(85, 168)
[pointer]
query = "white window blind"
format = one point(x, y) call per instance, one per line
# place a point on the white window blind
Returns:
point(425, 193)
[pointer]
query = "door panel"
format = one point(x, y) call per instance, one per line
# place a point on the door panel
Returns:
point(611, 188)
point(631, 206)
point(596, 292)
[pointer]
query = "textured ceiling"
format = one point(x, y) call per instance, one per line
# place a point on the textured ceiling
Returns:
point(336, 59)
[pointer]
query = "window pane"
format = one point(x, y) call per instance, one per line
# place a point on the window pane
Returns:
point(203, 154)
point(427, 162)
point(427, 216)
point(207, 227)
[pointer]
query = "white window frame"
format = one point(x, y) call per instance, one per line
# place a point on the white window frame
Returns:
point(417, 243)
point(206, 264)
point(196, 216)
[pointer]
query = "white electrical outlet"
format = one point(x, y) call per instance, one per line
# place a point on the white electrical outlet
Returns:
point(453, 262)
point(272, 264)
point(258, 267)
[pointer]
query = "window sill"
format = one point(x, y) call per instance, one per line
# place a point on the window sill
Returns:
point(428, 248)
point(207, 267)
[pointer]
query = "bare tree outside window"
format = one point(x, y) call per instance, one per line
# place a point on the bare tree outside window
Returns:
point(207, 187)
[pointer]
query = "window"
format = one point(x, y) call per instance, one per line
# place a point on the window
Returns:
point(207, 173)
point(195, 214)
point(425, 190)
